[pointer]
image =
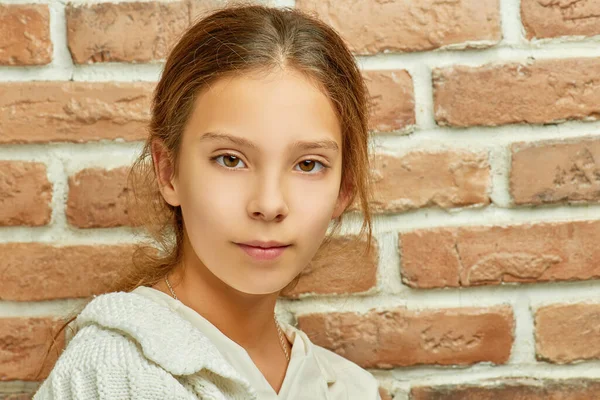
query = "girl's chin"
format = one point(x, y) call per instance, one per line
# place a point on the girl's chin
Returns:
point(261, 287)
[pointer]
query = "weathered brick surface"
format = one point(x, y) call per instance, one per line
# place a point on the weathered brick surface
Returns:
point(37, 112)
point(419, 179)
point(566, 333)
point(549, 19)
point(100, 198)
point(341, 267)
point(557, 171)
point(25, 34)
point(375, 26)
point(469, 256)
point(393, 100)
point(24, 343)
point(25, 194)
point(38, 271)
point(539, 92)
point(513, 389)
point(402, 337)
point(95, 31)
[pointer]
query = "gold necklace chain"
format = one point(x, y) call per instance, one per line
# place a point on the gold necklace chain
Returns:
point(281, 339)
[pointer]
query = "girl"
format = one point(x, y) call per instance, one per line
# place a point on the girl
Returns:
point(257, 141)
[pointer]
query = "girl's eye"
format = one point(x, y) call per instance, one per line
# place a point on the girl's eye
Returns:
point(309, 165)
point(229, 160)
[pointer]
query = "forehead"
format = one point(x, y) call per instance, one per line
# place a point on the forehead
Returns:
point(268, 108)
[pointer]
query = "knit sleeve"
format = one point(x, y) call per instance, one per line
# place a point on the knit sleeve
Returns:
point(68, 385)
point(103, 384)
point(100, 364)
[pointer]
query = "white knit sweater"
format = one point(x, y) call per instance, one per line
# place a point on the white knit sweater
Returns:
point(130, 347)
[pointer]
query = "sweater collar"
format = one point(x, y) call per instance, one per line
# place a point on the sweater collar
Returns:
point(185, 353)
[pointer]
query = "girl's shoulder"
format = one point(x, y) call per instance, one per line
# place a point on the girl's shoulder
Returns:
point(103, 361)
point(125, 343)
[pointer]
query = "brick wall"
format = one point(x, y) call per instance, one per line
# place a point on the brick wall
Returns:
point(484, 280)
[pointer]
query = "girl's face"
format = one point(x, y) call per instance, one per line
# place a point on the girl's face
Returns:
point(261, 160)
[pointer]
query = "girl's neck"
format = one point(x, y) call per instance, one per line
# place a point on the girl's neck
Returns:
point(244, 318)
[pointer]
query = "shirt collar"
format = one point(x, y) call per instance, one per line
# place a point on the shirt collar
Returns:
point(324, 365)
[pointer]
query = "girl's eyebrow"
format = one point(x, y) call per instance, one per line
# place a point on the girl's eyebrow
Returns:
point(326, 144)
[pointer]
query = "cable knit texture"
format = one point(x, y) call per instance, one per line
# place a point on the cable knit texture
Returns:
point(127, 346)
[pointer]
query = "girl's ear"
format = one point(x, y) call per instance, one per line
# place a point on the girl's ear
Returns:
point(343, 199)
point(163, 168)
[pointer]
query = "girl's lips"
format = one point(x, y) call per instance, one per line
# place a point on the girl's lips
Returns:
point(259, 253)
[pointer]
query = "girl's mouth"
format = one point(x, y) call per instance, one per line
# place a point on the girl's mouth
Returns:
point(263, 253)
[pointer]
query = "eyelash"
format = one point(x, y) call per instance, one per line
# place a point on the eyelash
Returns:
point(324, 167)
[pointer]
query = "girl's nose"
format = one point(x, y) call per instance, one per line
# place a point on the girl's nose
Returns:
point(268, 202)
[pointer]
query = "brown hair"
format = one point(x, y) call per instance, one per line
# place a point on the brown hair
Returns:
point(239, 39)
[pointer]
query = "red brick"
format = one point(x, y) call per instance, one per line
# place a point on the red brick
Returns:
point(26, 194)
point(445, 179)
point(393, 100)
point(539, 92)
point(549, 19)
point(567, 333)
point(429, 258)
point(402, 337)
point(25, 33)
point(38, 112)
point(552, 172)
point(402, 26)
point(129, 31)
point(471, 256)
point(24, 343)
point(513, 389)
point(340, 267)
point(100, 198)
point(38, 271)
